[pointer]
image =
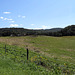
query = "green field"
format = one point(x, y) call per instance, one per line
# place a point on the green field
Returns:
point(47, 55)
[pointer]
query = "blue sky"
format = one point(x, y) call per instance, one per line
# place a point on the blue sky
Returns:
point(37, 14)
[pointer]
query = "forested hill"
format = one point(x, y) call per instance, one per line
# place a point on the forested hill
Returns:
point(53, 29)
point(67, 31)
point(23, 32)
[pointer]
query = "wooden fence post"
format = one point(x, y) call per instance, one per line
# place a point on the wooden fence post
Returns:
point(27, 53)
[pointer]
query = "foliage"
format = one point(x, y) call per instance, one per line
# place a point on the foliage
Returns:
point(53, 66)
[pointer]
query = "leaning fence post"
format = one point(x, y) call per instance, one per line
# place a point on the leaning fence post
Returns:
point(5, 49)
point(27, 53)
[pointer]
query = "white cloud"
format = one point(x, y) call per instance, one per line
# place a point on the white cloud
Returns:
point(1, 17)
point(32, 24)
point(5, 19)
point(37, 28)
point(20, 16)
point(44, 27)
point(6, 12)
point(14, 25)
point(23, 16)
point(12, 21)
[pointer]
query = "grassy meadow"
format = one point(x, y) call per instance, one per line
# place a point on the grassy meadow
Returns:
point(47, 55)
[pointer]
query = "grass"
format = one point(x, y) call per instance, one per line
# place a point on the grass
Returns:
point(8, 67)
point(14, 62)
point(59, 47)
point(48, 55)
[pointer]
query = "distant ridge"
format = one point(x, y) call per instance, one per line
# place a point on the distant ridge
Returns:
point(54, 29)
point(67, 31)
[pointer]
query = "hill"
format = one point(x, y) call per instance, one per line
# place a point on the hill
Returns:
point(67, 31)
point(54, 29)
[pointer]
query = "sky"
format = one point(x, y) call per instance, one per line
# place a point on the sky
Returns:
point(37, 14)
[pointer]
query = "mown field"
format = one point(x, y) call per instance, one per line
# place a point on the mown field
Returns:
point(47, 55)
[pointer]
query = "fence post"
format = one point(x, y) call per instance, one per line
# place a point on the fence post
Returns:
point(27, 53)
point(5, 49)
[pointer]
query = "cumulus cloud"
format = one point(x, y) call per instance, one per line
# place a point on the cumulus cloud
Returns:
point(14, 25)
point(1, 17)
point(6, 12)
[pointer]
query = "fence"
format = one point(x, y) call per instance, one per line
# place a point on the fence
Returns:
point(15, 53)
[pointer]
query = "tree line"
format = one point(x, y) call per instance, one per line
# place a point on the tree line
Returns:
point(67, 31)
